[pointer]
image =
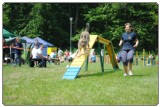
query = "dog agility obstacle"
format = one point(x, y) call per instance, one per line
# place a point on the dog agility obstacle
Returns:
point(78, 62)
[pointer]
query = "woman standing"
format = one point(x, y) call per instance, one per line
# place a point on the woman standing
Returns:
point(18, 51)
point(130, 42)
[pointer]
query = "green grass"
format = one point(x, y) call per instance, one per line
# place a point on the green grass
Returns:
point(45, 86)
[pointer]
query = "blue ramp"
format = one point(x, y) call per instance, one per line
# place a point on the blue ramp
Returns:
point(71, 72)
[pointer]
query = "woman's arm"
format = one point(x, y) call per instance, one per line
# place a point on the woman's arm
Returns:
point(136, 44)
point(120, 43)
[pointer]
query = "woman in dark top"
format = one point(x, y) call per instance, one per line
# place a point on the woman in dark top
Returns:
point(18, 51)
point(130, 42)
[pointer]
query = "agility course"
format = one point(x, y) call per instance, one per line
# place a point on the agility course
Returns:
point(78, 62)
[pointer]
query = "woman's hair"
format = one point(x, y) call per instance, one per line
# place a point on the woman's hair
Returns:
point(130, 25)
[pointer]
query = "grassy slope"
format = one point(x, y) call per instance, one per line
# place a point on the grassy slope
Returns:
point(44, 86)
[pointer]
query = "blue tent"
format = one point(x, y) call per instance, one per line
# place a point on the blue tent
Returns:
point(28, 40)
point(12, 40)
point(45, 43)
point(27, 45)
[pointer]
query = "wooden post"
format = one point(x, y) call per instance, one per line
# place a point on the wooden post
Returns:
point(144, 58)
point(102, 68)
point(154, 61)
point(104, 49)
point(113, 55)
point(86, 64)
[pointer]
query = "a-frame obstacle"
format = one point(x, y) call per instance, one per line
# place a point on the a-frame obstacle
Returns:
point(78, 61)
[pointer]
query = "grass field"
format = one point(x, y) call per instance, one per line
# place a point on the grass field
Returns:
point(45, 86)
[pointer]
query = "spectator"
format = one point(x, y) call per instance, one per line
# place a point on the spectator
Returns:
point(60, 53)
point(72, 56)
point(18, 51)
point(66, 55)
point(36, 43)
point(35, 54)
point(150, 58)
point(4, 49)
point(102, 52)
point(92, 56)
point(13, 53)
point(53, 54)
point(40, 56)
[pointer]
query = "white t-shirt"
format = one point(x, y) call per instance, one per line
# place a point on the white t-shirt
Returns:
point(53, 55)
point(39, 51)
point(34, 53)
point(60, 52)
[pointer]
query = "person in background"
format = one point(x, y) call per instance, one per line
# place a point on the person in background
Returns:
point(150, 58)
point(130, 42)
point(18, 51)
point(72, 56)
point(13, 53)
point(35, 54)
point(4, 49)
point(3, 41)
point(102, 52)
point(93, 57)
point(60, 53)
point(66, 55)
point(36, 42)
point(43, 58)
point(53, 54)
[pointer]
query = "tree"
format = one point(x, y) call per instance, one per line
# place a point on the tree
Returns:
point(109, 19)
point(50, 21)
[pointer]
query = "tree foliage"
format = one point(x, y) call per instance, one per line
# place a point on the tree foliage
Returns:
point(51, 22)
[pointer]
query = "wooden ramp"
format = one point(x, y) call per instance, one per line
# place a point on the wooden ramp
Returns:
point(110, 50)
point(77, 63)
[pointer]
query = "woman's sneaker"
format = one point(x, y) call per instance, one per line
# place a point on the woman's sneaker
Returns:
point(125, 74)
point(130, 73)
